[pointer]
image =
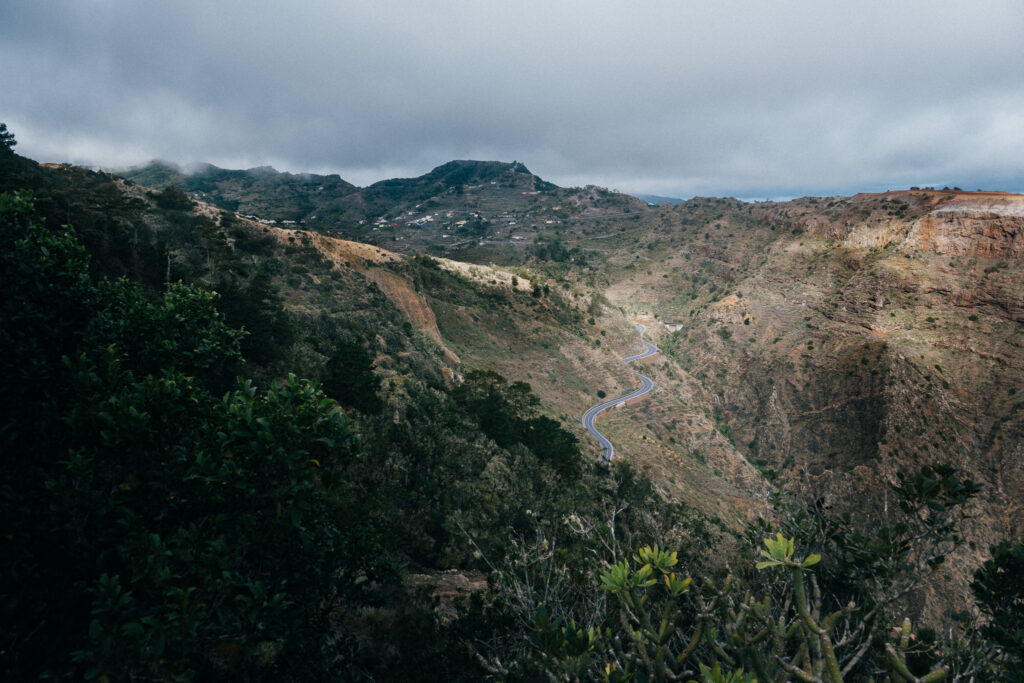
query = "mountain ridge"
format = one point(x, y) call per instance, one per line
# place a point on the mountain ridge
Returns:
point(224, 187)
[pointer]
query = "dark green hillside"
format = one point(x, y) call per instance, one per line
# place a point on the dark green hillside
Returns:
point(393, 196)
point(455, 173)
point(158, 175)
point(261, 192)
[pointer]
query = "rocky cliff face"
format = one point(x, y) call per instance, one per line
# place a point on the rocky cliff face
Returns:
point(969, 233)
point(969, 224)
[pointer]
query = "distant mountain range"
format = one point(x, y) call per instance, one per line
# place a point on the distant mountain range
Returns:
point(327, 200)
point(460, 196)
point(654, 199)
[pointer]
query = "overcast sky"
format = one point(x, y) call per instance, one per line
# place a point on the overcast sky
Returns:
point(751, 99)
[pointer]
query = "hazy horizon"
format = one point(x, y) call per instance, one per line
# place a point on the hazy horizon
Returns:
point(669, 98)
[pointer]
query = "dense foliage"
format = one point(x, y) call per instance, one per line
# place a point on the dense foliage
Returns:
point(150, 525)
point(999, 588)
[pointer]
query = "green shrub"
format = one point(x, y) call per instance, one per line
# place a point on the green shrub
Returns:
point(998, 587)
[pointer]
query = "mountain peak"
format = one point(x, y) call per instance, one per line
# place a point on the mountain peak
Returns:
point(472, 172)
point(263, 171)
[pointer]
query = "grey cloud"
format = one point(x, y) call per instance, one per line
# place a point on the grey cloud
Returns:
point(671, 97)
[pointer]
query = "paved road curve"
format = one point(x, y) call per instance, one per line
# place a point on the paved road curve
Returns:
point(645, 387)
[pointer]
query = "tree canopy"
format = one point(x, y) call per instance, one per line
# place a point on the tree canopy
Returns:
point(7, 140)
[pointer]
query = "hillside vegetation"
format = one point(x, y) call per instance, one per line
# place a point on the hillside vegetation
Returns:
point(247, 449)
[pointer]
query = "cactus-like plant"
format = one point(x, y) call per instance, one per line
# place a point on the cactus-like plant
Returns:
point(806, 616)
point(897, 657)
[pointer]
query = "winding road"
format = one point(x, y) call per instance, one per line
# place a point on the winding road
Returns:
point(645, 388)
